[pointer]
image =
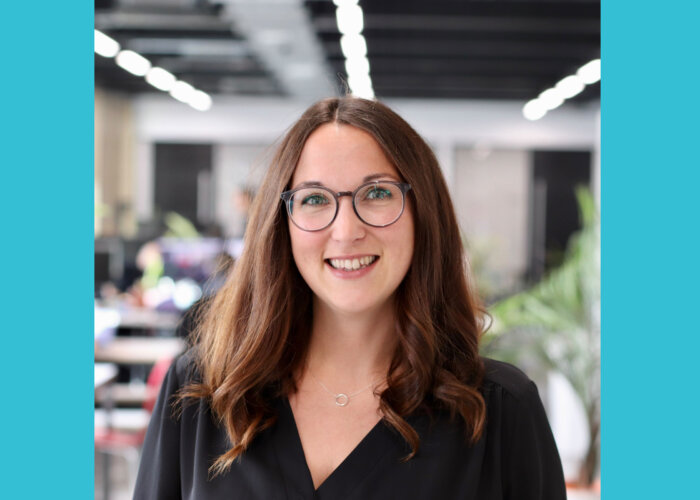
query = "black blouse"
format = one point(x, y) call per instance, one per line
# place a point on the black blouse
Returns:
point(516, 457)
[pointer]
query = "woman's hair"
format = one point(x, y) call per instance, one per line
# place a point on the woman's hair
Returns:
point(255, 332)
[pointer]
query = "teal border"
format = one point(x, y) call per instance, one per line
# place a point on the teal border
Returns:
point(650, 192)
point(46, 252)
point(650, 181)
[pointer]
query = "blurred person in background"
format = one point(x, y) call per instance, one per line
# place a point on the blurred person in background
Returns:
point(341, 357)
point(243, 198)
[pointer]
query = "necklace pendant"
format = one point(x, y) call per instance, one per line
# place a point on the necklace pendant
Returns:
point(342, 399)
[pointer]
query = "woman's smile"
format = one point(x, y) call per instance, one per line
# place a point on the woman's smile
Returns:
point(350, 267)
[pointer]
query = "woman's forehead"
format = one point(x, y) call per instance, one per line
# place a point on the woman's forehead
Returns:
point(335, 152)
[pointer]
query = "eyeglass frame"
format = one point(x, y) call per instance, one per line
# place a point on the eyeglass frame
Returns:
point(404, 187)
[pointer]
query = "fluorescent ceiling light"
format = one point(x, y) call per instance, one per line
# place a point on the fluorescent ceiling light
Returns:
point(105, 46)
point(361, 85)
point(367, 93)
point(349, 18)
point(570, 86)
point(200, 100)
point(590, 72)
point(566, 88)
point(357, 66)
point(551, 99)
point(353, 46)
point(534, 110)
point(357, 80)
point(182, 91)
point(160, 79)
point(341, 3)
point(134, 63)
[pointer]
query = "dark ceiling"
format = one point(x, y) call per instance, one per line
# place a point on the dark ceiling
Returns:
point(446, 49)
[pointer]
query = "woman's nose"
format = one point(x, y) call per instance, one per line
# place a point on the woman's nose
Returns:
point(347, 226)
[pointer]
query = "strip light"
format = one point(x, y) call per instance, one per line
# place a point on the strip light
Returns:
point(105, 46)
point(161, 79)
point(566, 88)
point(350, 21)
point(134, 63)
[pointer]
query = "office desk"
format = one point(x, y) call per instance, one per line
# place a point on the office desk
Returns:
point(143, 318)
point(139, 350)
point(104, 373)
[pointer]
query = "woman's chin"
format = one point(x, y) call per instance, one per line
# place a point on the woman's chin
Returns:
point(355, 304)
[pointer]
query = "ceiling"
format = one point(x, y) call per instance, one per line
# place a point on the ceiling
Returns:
point(434, 49)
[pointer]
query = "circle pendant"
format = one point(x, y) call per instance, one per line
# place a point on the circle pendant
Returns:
point(342, 399)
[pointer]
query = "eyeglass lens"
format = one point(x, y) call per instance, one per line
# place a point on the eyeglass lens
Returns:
point(377, 204)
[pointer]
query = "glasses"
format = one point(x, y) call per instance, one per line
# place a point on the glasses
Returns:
point(376, 203)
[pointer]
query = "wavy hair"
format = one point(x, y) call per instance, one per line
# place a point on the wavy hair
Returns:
point(255, 331)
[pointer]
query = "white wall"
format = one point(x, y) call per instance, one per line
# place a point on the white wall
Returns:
point(257, 122)
point(235, 166)
point(261, 120)
point(491, 193)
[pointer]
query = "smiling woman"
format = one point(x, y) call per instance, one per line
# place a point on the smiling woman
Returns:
point(341, 358)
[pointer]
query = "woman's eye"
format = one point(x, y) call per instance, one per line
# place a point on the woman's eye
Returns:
point(314, 199)
point(378, 193)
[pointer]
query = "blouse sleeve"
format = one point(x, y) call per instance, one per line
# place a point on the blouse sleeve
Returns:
point(159, 471)
point(533, 468)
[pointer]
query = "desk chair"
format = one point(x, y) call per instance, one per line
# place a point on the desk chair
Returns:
point(120, 431)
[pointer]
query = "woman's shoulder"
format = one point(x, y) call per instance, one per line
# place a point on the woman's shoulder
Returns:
point(184, 367)
point(499, 375)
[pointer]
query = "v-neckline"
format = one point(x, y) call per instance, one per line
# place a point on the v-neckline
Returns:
point(348, 474)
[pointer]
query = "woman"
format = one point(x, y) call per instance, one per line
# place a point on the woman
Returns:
point(340, 360)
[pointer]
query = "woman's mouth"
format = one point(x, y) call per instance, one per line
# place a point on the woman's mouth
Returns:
point(354, 264)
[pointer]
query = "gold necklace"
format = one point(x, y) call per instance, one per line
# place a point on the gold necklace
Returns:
point(341, 399)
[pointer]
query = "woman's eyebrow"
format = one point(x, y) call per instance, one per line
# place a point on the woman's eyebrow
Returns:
point(367, 178)
point(308, 184)
point(378, 176)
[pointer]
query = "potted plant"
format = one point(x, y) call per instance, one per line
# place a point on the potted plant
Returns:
point(556, 324)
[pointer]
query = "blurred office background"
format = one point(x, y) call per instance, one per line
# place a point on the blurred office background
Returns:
point(191, 95)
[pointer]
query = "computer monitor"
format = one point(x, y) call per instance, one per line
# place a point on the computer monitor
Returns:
point(109, 261)
point(194, 258)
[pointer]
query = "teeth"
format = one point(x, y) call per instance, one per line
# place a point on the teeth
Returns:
point(352, 265)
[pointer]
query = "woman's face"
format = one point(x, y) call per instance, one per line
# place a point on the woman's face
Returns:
point(343, 157)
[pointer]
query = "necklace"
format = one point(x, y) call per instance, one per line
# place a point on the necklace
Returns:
point(341, 399)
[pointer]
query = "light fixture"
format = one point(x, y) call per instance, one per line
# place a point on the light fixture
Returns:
point(534, 110)
point(551, 99)
point(200, 100)
point(570, 86)
point(353, 46)
point(105, 46)
point(566, 88)
point(357, 80)
point(160, 79)
point(132, 62)
point(361, 85)
point(590, 72)
point(367, 93)
point(349, 18)
point(357, 66)
point(182, 91)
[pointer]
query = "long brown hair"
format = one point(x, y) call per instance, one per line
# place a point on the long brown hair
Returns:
point(256, 330)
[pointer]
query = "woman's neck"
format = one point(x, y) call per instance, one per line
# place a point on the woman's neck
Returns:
point(351, 350)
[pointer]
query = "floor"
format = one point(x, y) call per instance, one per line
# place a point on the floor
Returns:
point(119, 476)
